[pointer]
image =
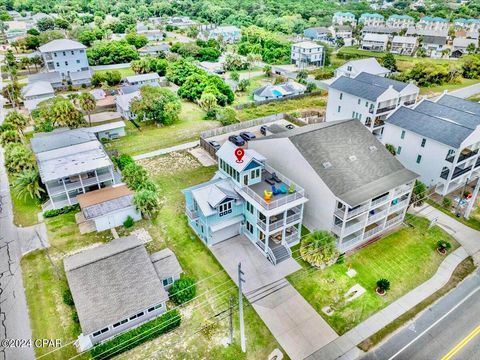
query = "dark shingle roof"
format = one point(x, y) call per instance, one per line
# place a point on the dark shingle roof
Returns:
point(366, 86)
point(460, 117)
point(361, 168)
point(438, 129)
point(460, 104)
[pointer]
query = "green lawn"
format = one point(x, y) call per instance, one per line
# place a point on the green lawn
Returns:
point(247, 95)
point(289, 106)
point(432, 90)
point(44, 283)
point(124, 71)
point(152, 137)
point(406, 258)
point(24, 210)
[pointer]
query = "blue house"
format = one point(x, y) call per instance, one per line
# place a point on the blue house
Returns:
point(247, 198)
point(229, 34)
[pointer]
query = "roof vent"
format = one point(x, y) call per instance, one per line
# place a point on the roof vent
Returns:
point(327, 164)
point(372, 148)
point(352, 158)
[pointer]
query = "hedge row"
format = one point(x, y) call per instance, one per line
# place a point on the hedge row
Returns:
point(64, 210)
point(129, 340)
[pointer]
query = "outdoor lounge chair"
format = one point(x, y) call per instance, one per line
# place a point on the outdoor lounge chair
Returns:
point(291, 189)
point(275, 191)
point(275, 178)
point(270, 181)
point(283, 189)
point(267, 195)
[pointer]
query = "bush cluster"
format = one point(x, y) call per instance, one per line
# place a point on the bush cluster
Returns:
point(132, 338)
point(182, 290)
point(64, 210)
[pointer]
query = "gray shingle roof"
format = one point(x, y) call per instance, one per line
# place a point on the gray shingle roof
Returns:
point(52, 77)
point(460, 117)
point(80, 75)
point(366, 86)
point(371, 173)
point(61, 45)
point(111, 282)
point(165, 263)
point(108, 207)
point(37, 88)
point(438, 129)
point(460, 104)
point(60, 138)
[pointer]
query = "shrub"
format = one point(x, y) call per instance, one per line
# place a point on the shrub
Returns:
point(68, 298)
point(128, 223)
point(64, 210)
point(123, 160)
point(319, 249)
point(182, 290)
point(139, 335)
point(383, 285)
point(443, 245)
point(75, 317)
point(446, 202)
point(134, 176)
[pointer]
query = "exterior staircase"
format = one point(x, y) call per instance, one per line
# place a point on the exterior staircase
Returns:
point(281, 253)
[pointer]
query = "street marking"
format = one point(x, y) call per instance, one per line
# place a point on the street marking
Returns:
point(434, 324)
point(461, 344)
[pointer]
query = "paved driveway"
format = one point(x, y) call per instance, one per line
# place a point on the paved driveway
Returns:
point(298, 328)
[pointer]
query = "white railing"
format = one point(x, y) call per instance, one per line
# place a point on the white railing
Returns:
point(192, 214)
point(352, 213)
point(380, 200)
point(54, 190)
point(372, 232)
point(398, 206)
point(272, 256)
point(337, 230)
point(395, 220)
point(279, 223)
point(292, 238)
point(348, 243)
point(376, 216)
point(402, 189)
point(352, 228)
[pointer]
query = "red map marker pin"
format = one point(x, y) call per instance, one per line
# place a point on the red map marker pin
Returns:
point(239, 153)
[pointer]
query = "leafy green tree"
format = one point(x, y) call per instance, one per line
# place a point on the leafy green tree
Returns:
point(58, 112)
point(32, 42)
point(17, 120)
point(147, 202)
point(243, 84)
point(311, 87)
point(234, 75)
point(471, 48)
point(134, 176)
point(302, 75)
point(180, 70)
point(226, 116)
point(419, 193)
point(18, 158)
point(87, 103)
point(207, 101)
point(182, 290)
point(136, 40)
point(45, 24)
point(267, 69)
point(9, 136)
point(391, 149)
point(111, 52)
point(157, 104)
point(389, 62)
point(319, 249)
point(27, 184)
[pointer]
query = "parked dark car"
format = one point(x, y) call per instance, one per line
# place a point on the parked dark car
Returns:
point(215, 144)
point(219, 71)
point(247, 135)
point(237, 140)
point(290, 126)
point(263, 130)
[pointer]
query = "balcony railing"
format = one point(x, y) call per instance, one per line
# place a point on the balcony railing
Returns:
point(372, 232)
point(354, 227)
point(458, 172)
point(298, 194)
point(402, 189)
point(279, 223)
point(294, 236)
point(54, 190)
point(380, 200)
point(192, 214)
point(477, 163)
point(377, 216)
point(462, 157)
point(351, 213)
point(409, 102)
point(398, 206)
point(386, 108)
point(392, 221)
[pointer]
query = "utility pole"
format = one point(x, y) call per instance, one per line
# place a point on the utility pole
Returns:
point(240, 307)
point(230, 316)
point(57, 271)
point(466, 215)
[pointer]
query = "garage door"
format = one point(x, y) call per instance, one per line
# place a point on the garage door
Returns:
point(225, 233)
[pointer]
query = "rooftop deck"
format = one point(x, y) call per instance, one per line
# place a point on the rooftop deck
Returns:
point(256, 191)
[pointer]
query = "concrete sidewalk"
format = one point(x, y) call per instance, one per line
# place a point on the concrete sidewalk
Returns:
point(345, 347)
point(184, 146)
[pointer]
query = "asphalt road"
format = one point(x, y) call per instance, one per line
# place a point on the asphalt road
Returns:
point(448, 330)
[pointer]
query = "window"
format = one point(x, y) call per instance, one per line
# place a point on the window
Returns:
point(403, 135)
point(55, 54)
point(245, 179)
point(399, 150)
point(249, 208)
point(58, 64)
point(66, 63)
point(341, 96)
point(358, 102)
point(132, 317)
point(423, 142)
point(366, 103)
point(64, 53)
point(96, 333)
point(78, 61)
point(419, 158)
point(167, 281)
point(140, 314)
point(72, 52)
point(349, 68)
point(339, 109)
point(249, 227)
point(225, 207)
point(158, 306)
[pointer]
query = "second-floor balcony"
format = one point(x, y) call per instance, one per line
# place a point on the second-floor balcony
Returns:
point(81, 183)
point(192, 213)
point(351, 212)
point(409, 102)
point(268, 196)
point(386, 108)
point(456, 173)
point(463, 156)
point(398, 206)
point(278, 221)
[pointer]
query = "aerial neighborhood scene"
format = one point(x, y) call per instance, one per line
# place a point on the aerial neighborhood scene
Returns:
point(219, 179)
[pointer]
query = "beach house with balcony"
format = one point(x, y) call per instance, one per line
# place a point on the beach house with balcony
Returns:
point(433, 23)
point(344, 18)
point(368, 19)
point(439, 140)
point(356, 188)
point(400, 21)
point(71, 162)
point(368, 98)
point(306, 53)
point(65, 56)
point(247, 198)
point(354, 67)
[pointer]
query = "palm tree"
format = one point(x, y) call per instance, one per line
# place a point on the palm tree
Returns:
point(18, 120)
point(319, 248)
point(147, 202)
point(36, 61)
point(87, 104)
point(27, 184)
point(25, 62)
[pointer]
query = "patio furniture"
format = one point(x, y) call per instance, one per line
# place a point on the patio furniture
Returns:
point(270, 181)
point(276, 178)
point(267, 195)
point(283, 189)
point(291, 189)
point(275, 191)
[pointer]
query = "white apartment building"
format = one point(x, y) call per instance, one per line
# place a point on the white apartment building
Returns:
point(433, 23)
point(344, 18)
point(375, 42)
point(404, 45)
point(374, 189)
point(467, 24)
point(307, 53)
point(374, 20)
point(65, 56)
point(438, 140)
point(355, 67)
point(369, 99)
point(400, 21)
